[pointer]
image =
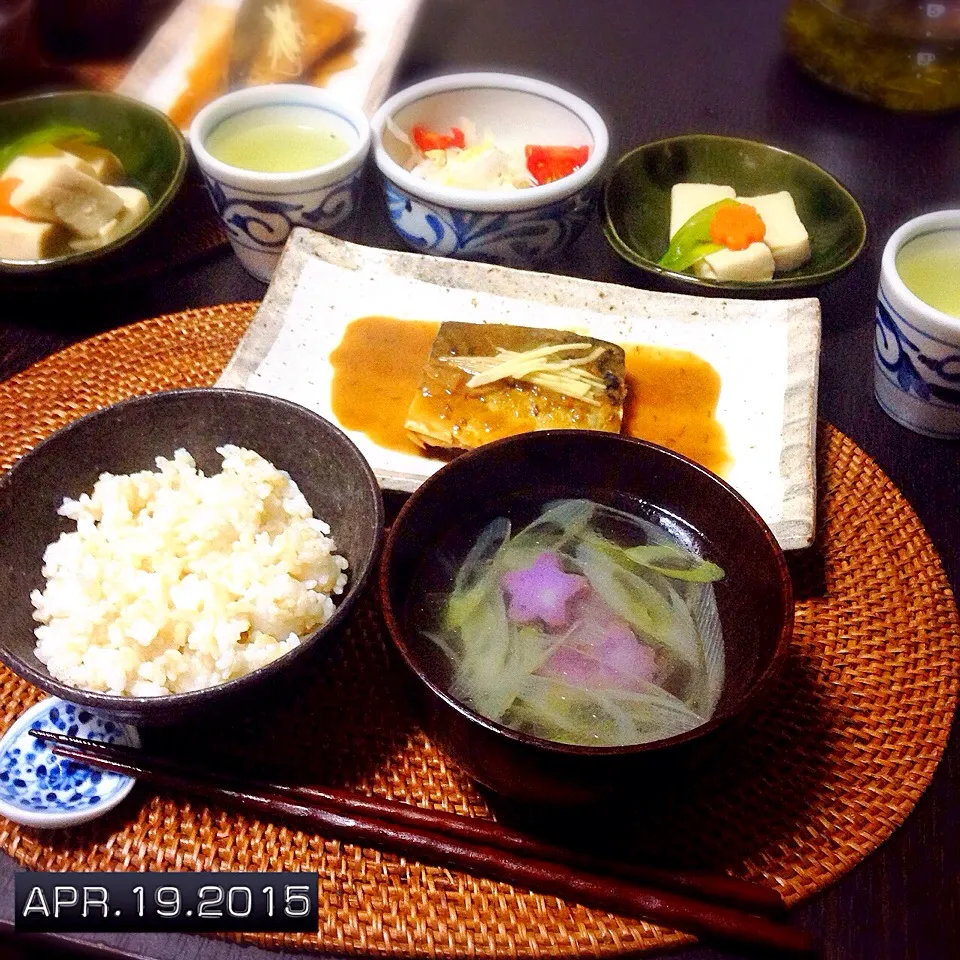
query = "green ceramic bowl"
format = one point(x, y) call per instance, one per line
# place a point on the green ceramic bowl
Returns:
point(637, 207)
point(150, 147)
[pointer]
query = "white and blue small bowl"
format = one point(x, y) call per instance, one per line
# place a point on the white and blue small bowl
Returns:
point(40, 789)
point(509, 227)
point(917, 347)
point(260, 209)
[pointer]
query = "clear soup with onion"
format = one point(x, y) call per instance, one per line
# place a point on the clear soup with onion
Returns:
point(574, 621)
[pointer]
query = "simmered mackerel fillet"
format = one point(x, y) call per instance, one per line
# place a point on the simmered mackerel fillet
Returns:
point(296, 36)
point(300, 33)
point(487, 381)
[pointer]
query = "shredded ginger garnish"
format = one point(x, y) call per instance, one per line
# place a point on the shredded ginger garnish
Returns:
point(538, 366)
point(286, 38)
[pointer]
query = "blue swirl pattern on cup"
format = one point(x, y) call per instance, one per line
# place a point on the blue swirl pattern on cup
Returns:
point(33, 778)
point(924, 368)
point(263, 221)
point(510, 238)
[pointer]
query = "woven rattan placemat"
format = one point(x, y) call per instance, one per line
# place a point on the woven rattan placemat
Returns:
point(822, 776)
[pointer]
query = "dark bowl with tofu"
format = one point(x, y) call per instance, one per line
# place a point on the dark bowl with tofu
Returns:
point(82, 174)
point(641, 213)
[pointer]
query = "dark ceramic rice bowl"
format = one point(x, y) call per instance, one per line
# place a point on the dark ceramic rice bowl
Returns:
point(331, 472)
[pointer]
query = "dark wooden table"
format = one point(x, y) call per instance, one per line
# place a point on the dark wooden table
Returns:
point(654, 69)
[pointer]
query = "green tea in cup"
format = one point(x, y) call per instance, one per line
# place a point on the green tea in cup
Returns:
point(917, 326)
point(281, 138)
point(929, 266)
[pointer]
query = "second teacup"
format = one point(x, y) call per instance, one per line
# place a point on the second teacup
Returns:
point(917, 346)
point(276, 157)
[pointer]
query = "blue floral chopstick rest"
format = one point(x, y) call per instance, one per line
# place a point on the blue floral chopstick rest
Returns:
point(40, 789)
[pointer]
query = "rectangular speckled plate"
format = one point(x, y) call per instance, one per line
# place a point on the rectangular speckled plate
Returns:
point(766, 351)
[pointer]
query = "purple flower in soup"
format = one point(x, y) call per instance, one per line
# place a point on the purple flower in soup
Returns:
point(601, 651)
point(543, 592)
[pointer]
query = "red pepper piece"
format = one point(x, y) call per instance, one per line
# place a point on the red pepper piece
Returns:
point(431, 140)
point(552, 163)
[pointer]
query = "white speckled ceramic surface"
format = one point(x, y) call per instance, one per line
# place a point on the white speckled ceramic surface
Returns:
point(766, 352)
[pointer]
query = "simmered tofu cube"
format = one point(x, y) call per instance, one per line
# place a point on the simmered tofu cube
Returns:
point(753, 263)
point(135, 203)
point(686, 199)
point(105, 164)
point(22, 239)
point(52, 190)
point(32, 164)
point(786, 235)
point(135, 208)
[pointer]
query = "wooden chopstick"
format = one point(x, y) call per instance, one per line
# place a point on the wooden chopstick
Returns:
point(710, 886)
point(359, 823)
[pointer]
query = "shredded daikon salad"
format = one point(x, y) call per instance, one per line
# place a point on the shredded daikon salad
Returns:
point(467, 159)
point(589, 626)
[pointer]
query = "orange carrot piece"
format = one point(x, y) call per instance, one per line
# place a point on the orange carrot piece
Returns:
point(737, 226)
point(6, 191)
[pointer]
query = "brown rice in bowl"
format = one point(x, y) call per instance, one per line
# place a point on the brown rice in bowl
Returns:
point(174, 581)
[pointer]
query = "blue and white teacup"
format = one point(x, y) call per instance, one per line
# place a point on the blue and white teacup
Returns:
point(260, 209)
point(513, 227)
point(917, 347)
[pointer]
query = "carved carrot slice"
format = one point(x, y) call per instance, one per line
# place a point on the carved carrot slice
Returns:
point(737, 226)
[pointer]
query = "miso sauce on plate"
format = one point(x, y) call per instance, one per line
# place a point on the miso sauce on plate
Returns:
point(672, 400)
point(280, 139)
point(671, 394)
point(376, 370)
point(929, 265)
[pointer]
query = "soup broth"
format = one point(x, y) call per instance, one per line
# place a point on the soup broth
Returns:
point(574, 621)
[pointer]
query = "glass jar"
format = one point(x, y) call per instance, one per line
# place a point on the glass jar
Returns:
point(896, 53)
